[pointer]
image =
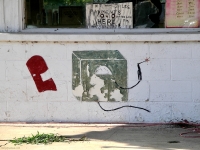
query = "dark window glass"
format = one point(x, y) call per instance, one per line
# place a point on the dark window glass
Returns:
point(112, 13)
point(56, 13)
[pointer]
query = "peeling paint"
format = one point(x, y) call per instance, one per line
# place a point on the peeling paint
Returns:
point(98, 84)
point(116, 95)
point(96, 71)
point(78, 91)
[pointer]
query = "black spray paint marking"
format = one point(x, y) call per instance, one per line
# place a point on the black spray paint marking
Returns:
point(122, 107)
point(139, 72)
point(139, 79)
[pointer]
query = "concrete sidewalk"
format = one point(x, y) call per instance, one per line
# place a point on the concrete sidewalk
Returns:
point(103, 136)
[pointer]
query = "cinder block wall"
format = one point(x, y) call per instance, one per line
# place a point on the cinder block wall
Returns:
point(169, 89)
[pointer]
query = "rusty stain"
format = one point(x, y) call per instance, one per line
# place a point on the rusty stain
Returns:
point(147, 59)
point(75, 41)
point(157, 42)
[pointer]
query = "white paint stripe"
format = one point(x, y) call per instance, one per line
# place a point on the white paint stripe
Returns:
point(76, 56)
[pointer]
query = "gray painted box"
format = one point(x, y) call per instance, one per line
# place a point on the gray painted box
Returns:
point(94, 74)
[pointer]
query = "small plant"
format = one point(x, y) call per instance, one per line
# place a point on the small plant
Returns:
point(43, 139)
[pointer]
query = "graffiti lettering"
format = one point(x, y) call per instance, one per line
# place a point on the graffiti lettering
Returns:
point(37, 66)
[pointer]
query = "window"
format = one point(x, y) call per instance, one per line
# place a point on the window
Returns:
point(112, 13)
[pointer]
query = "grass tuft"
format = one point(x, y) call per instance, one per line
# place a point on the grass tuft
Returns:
point(43, 139)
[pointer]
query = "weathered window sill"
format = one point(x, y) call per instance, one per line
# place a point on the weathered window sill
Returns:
point(102, 35)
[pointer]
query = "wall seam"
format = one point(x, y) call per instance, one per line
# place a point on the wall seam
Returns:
point(4, 16)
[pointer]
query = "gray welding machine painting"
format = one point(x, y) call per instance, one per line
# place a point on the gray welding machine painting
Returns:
point(94, 74)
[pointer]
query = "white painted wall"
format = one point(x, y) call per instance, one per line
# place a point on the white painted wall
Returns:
point(169, 89)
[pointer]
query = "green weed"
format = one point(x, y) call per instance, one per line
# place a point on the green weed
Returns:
point(43, 139)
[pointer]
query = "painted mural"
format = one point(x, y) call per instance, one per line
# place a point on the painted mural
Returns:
point(94, 74)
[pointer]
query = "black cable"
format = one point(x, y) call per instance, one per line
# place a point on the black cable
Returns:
point(122, 107)
point(139, 78)
point(128, 87)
